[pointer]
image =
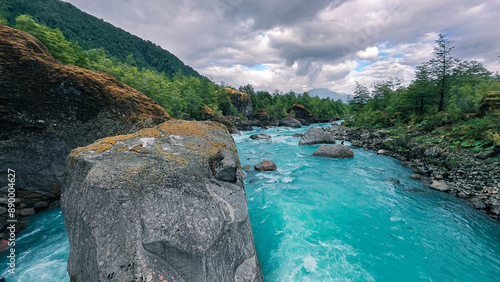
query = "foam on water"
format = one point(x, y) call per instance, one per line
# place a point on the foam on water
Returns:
point(320, 219)
point(42, 250)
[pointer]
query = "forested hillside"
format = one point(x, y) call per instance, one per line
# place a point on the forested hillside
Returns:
point(91, 32)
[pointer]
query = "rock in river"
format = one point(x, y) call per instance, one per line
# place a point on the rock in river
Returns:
point(334, 151)
point(266, 166)
point(290, 122)
point(159, 202)
point(317, 135)
point(260, 136)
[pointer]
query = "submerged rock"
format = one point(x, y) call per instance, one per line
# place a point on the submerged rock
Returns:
point(159, 202)
point(317, 135)
point(393, 180)
point(266, 166)
point(260, 136)
point(290, 122)
point(334, 151)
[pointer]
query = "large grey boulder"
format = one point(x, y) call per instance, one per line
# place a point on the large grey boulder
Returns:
point(334, 151)
point(317, 135)
point(159, 204)
point(290, 122)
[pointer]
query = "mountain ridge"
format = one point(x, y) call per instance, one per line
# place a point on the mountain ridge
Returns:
point(91, 32)
point(325, 92)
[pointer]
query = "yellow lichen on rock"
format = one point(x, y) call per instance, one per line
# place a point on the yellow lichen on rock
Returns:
point(114, 139)
point(182, 127)
point(97, 147)
point(244, 96)
point(151, 132)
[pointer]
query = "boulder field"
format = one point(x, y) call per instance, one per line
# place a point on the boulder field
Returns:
point(165, 203)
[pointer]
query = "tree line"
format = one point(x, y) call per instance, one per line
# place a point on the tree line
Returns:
point(181, 95)
point(444, 96)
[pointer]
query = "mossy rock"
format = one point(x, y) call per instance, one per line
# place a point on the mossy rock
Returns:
point(490, 102)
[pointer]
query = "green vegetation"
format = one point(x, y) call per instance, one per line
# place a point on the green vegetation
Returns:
point(278, 103)
point(442, 102)
point(93, 33)
point(182, 96)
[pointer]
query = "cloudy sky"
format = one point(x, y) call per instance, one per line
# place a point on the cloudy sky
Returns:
point(299, 45)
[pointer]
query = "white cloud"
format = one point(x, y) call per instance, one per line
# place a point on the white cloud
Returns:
point(370, 53)
point(304, 44)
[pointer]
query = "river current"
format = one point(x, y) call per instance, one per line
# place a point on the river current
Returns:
point(322, 219)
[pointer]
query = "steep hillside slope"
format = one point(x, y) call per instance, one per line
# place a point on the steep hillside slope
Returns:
point(91, 32)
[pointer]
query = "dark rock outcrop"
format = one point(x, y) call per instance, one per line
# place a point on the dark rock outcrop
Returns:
point(318, 135)
point(334, 151)
point(152, 206)
point(266, 165)
point(241, 101)
point(226, 122)
point(260, 136)
point(490, 101)
point(263, 118)
point(290, 122)
point(240, 124)
point(48, 109)
point(302, 112)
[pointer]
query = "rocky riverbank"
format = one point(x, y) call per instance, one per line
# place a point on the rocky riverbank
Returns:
point(474, 177)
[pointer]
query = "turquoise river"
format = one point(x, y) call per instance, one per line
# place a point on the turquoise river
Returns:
point(321, 219)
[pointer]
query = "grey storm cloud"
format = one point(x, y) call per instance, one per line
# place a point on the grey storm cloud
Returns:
point(307, 44)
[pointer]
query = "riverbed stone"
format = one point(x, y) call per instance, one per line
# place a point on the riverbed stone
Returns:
point(290, 122)
point(260, 136)
point(334, 151)
point(266, 165)
point(440, 185)
point(317, 135)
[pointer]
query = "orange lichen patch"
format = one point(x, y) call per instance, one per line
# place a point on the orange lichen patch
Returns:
point(121, 149)
point(114, 139)
point(243, 96)
point(182, 127)
point(173, 157)
point(151, 132)
point(97, 147)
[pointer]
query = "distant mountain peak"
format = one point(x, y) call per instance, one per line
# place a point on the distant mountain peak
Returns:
point(325, 92)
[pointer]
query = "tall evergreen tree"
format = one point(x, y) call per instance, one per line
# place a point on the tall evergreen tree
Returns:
point(442, 65)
